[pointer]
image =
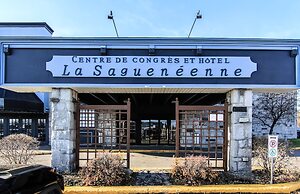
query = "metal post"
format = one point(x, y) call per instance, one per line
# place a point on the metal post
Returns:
point(128, 132)
point(271, 181)
point(192, 27)
point(198, 16)
point(225, 144)
point(77, 120)
point(115, 28)
point(111, 17)
point(177, 128)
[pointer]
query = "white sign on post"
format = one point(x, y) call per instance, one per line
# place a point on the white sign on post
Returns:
point(272, 152)
point(273, 146)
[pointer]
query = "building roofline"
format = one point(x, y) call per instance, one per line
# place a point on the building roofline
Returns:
point(150, 40)
point(27, 24)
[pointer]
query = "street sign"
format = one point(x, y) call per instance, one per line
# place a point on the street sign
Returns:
point(273, 146)
point(272, 152)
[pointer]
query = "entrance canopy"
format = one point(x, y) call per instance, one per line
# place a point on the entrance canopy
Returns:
point(152, 106)
point(148, 65)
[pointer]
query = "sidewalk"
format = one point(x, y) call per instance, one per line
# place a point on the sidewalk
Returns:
point(140, 159)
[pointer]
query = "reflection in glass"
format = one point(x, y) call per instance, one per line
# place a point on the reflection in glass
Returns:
point(158, 132)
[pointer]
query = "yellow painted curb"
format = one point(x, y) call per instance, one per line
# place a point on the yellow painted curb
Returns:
point(238, 188)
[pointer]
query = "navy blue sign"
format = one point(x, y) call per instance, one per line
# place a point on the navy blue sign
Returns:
point(75, 66)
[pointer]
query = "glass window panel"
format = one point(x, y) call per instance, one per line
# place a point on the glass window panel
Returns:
point(13, 126)
point(1, 128)
point(41, 129)
point(27, 126)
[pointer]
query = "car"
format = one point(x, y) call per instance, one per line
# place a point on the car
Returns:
point(31, 179)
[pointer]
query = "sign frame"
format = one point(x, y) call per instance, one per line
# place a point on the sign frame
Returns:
point(273, 146)
point(142, 43)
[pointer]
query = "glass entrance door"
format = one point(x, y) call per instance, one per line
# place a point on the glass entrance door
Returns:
point(158, 132)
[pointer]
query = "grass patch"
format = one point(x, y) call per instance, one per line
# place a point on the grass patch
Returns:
point(295, 143)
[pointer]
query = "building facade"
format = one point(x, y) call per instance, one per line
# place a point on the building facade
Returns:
point(112, 93)
point(23, 113)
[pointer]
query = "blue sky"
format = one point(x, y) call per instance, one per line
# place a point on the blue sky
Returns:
point(161, 18)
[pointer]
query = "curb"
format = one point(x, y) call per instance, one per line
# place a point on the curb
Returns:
point(238, 188)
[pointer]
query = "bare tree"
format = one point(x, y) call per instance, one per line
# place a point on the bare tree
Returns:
point(272, 109)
